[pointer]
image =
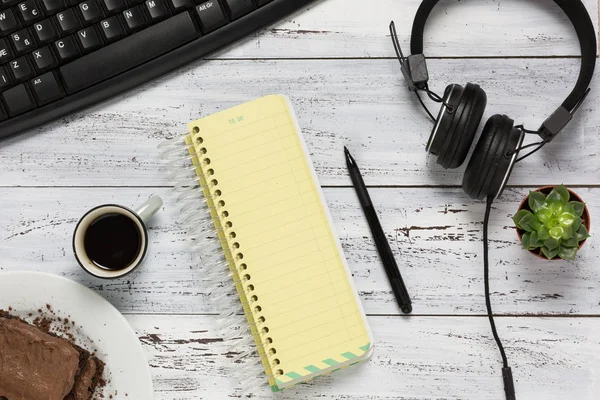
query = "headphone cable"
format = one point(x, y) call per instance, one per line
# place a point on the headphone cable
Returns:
point(400, 55)
point(425, 107)
point(540, 146)
point(509, 386)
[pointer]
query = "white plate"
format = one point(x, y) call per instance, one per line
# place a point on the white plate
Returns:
point(99, 322)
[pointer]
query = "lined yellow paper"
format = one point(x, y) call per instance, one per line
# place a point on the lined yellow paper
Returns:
point(279, 232)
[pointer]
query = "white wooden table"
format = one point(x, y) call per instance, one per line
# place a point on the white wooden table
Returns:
point(335, 61)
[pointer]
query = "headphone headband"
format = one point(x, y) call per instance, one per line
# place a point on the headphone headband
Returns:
point(580, 18)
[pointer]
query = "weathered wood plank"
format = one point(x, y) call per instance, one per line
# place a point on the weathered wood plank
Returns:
point(362, 104)
point(414, 358)
point(338, 28)
point(435, 235)
point(435, 232)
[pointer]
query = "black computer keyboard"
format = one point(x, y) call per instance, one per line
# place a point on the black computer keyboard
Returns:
point(58, 56)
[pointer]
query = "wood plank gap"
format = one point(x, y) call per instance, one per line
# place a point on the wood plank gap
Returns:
point(557, 316)
point(576, 186)
point(528, 57)
point(451, 186)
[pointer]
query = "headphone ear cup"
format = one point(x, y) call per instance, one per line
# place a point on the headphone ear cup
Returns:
point(466, 120)
point(457, 124)
point(493, 158)
point(452, 96)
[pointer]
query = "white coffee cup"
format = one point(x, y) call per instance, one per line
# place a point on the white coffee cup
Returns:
point(91, 244)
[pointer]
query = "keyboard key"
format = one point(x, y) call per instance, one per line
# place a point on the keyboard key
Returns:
point(211, 16)
point(239, 8)
point(112, 29)
point(6, 52)
point(8, 3)
point(68, 21)
point(157, 10)
point(91, 11)
point(21, 69)
point(128, 53)
point(45, 32)
point(8, 22)
point(30, 12)
point(134, 19)
point(23, 41)
point(180, 5)
point(5, 80)
point(53, 6)
point(89, 39)
point(3, 114)
point(114, 6)
point(44, 59)
point(46, 88)
point(66, 48)
point(18, 100)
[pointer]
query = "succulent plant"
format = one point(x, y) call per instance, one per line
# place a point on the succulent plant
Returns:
point(553, 225)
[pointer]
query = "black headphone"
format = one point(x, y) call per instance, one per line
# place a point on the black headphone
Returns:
point(501, 141)
point(462, 109)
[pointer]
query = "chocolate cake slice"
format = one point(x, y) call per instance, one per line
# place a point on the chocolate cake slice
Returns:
point(38, 365)
point(88, 378)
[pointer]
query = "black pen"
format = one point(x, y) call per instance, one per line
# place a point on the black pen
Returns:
point(383, 247)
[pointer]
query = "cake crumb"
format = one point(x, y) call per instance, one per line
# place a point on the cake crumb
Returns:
point(43, 323)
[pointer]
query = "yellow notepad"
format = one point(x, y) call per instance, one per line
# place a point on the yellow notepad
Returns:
point(278, 236)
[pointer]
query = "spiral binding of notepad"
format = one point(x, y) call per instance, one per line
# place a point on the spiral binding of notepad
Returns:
point(191, 183)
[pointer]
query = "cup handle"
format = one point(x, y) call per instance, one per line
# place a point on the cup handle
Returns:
point(149, 208)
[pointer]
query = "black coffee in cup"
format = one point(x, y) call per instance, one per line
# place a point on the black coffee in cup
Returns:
point(110, 241)
point(113, 241)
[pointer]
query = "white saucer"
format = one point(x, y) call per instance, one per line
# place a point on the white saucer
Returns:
point(101, 326)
